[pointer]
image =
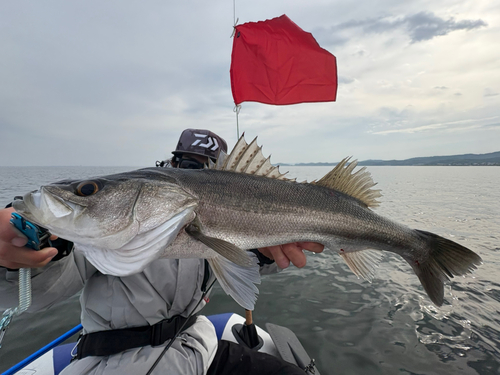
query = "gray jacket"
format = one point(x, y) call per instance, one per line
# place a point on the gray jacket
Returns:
point(164, 289)
point(167, 287)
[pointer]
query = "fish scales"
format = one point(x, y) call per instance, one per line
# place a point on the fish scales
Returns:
point(254, 211)
point(123, 222)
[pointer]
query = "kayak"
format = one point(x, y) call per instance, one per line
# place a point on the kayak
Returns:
point(275, 340)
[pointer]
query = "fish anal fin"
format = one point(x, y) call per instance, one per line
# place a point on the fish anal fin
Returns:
point(362, 263)
point(357, 185)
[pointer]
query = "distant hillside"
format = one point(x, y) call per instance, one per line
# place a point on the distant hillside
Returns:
point(492, 158)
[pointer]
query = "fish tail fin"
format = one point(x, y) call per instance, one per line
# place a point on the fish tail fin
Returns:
point(446, 260)
point(237, 281)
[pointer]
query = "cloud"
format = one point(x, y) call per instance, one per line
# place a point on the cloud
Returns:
point(345, 80)
point(425, 26)
point(489, 92)
point(417, 129)
point(444, 126)
point(419, 27)
point(329, 37)
point(98, 83)
point(494, 125)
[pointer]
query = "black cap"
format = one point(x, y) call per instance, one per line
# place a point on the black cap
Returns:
point(200, 142)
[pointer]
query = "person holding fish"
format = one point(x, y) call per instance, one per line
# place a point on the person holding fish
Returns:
point(161, 295)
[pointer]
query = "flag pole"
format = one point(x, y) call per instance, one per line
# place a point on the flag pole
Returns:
point(237, 110)
point(237, 106)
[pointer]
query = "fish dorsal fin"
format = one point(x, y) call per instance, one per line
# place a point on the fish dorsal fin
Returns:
point(238, 150)
point(265, 167)
point(249, 155)
point(357, 185)
point(221, 159)
point(249, 159)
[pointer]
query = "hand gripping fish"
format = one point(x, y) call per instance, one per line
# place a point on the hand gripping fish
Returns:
point(123, 222)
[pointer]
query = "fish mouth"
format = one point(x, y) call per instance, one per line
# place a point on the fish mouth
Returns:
point(40, 204)
point(20, 206)
point(24, 206)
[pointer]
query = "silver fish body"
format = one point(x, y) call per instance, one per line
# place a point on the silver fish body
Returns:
point(214, 214)
point(254, 211)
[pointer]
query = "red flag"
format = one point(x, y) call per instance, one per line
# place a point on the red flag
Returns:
point(276, 62)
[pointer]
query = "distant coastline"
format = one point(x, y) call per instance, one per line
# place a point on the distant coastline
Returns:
point(490, 159)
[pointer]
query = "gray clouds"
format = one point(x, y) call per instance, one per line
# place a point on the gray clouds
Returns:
point(114, 83)
point(489, 92)
point(425, 26)
point(419, 27)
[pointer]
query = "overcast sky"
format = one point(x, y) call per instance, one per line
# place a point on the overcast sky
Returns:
point(115, 82)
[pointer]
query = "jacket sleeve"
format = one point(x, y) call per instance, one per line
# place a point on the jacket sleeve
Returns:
point(55, 282)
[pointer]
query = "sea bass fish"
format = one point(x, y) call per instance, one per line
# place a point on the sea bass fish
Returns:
point(125, 221)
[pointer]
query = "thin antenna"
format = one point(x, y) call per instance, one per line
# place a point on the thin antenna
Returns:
point(237, 109)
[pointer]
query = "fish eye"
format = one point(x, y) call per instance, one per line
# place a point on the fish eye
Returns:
point(86, 188)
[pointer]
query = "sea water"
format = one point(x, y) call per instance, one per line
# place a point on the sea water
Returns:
point(348, 325)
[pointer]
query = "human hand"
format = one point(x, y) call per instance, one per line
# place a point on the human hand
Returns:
point(13, 253)
point(291, 252)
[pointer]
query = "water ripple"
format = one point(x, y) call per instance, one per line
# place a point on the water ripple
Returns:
point(347, 324)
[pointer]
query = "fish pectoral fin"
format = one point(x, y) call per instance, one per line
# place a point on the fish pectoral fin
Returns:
point(362, 263)
point(224, 248)
point(237, 281)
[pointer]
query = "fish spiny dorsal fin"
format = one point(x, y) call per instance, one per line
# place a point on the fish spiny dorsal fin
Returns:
point(269, 170)
point(248, 158)
point(233, 157)
point(357, 185)
point(275, 173)
point(250, 153)
point(220, 161)
point(265, 167)
point(255, 162)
